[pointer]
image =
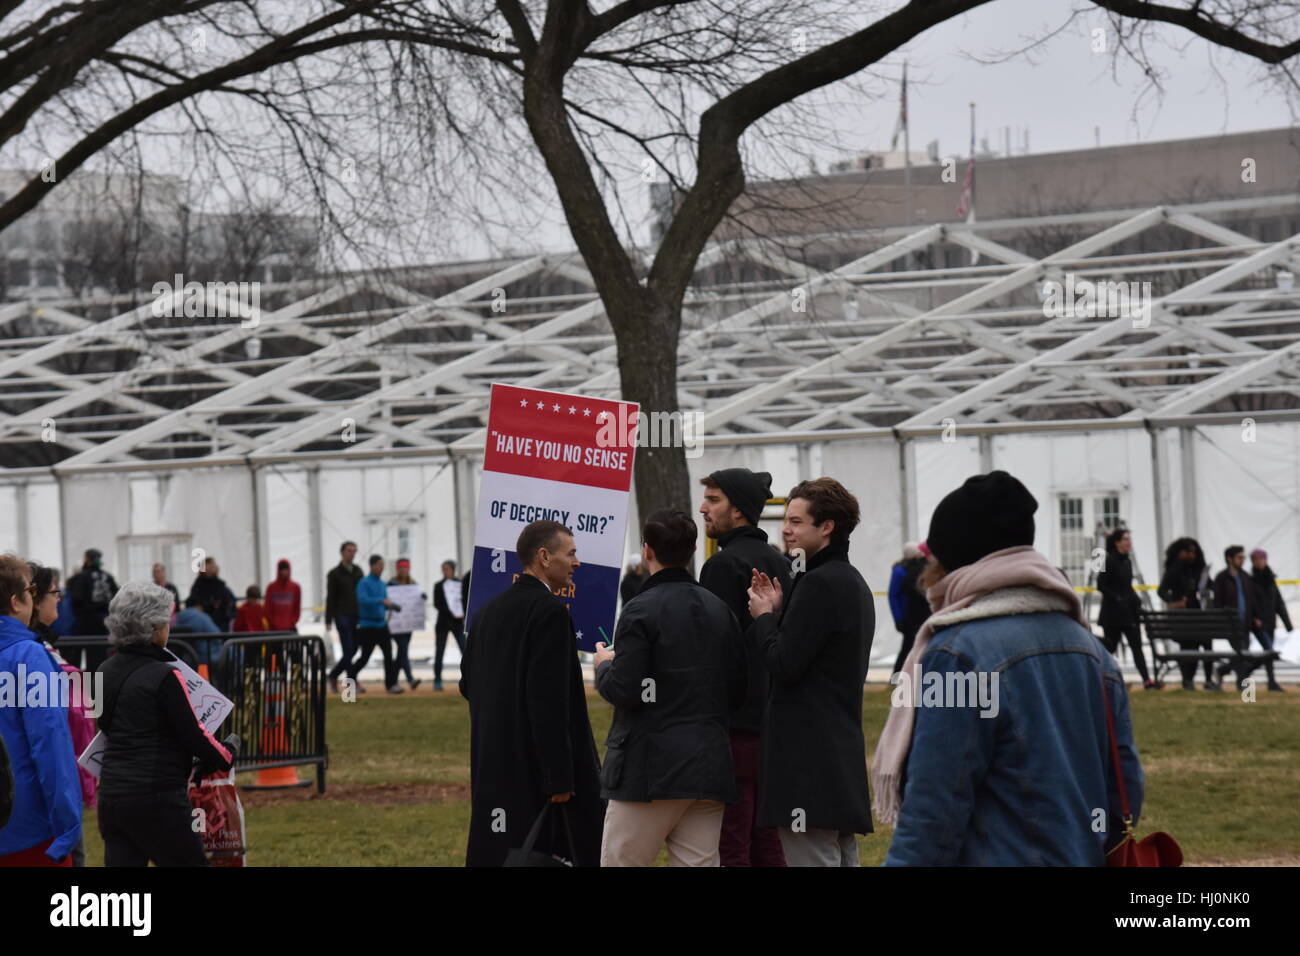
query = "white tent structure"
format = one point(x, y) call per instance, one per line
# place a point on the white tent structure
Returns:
point(354, 408)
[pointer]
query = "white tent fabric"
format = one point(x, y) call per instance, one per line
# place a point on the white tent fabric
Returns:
point(1247, 492)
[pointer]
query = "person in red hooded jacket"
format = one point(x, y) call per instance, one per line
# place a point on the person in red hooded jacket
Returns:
point(283, 599)
point(252, 615)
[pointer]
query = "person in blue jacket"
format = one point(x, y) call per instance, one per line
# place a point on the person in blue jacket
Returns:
point(372, 623)
point(45, 824)
point(63, 623)
point(997, 747)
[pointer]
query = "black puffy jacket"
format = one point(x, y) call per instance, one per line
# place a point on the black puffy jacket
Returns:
point(1119, 602)
point(728, 574)
point(679, 668)
point(1271, 603)
point(153, 735)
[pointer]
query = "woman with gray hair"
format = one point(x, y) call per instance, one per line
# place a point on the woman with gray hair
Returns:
point(153, 738)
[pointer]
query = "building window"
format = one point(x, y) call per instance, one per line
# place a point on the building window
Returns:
point(138, 553)
point(18, 273)
point(1083, 520)
point(47, 274)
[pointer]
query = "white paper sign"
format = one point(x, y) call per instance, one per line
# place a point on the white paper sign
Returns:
point(451, 588)
point(210, 706)
point(92, 758)
point(410, 598)
point(1288, 644)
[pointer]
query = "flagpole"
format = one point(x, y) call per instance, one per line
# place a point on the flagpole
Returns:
point(907, 148)
point(970, 216)
point(972, 157)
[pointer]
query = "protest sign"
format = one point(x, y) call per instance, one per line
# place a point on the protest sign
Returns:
point(410, 599)
point(562, 457)
point(210, 706)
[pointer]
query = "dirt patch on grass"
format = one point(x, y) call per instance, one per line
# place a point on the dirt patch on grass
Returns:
point(1262, 861)
point(376, 794)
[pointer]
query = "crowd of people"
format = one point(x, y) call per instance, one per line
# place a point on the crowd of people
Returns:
point(737, 731)
point(1186, 583)
point(358, 606)
point(737, 735)
point(155, 747)
point(210, 608)
point(155, 744)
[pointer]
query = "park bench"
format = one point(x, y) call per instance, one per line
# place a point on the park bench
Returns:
point(1165, 629)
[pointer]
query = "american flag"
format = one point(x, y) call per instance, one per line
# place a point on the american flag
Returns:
point(902, 114)
point(966, 205)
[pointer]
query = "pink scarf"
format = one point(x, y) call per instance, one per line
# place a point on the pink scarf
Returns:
point(1020, 566)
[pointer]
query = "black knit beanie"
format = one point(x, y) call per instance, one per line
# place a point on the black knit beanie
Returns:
point(747, 490)
point(986, 514)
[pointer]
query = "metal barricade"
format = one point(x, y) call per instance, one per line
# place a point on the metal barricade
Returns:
point(277, 682)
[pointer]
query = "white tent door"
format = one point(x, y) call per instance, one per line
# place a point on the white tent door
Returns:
point(1083, 519)
point(138, 553)
point(394, 536)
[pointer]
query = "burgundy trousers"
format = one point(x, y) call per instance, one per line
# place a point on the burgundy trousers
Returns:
point(743, 843)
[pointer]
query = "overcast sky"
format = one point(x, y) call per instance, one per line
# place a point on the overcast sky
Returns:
point(1067, 89)
point(1062, 92)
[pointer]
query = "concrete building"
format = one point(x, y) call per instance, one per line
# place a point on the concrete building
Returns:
point(1178, 172)
point(104, 233)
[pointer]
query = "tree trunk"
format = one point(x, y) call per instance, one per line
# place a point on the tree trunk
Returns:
point(646, 331)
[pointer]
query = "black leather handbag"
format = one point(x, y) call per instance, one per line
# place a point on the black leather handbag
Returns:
point(527, 856)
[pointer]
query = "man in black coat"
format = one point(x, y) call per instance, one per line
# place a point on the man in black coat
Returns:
point(91, 589)
point(449, 596)
point(214, 595)
point(676, 670)
point(733, 503)
point(1271, 606)
point(1234, 589)
point(530, 738)
point(814, 784)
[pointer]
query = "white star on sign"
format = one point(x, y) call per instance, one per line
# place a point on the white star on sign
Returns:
point(541, 404)
point(572, 409)
point(586, 411)
point(555, 408)
point(523, 403)
point(601, 416)
point(580, 635)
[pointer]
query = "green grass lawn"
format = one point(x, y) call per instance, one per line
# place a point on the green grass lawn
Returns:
point(1222, 777)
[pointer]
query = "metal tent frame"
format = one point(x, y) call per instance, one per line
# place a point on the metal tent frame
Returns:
point(376, 366)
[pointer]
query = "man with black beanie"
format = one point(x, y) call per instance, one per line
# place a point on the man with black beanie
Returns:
point(733, 502)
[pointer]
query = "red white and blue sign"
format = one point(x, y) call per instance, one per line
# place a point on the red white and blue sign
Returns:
point(566, 458)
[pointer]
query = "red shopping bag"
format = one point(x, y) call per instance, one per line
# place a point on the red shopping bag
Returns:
point(219, 818)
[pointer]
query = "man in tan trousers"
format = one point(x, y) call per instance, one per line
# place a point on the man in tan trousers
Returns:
point(674, 673)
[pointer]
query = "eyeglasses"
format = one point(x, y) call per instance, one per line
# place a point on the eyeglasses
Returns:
point(31, 589)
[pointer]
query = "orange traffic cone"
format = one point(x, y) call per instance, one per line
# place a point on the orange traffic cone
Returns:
point(274, 740)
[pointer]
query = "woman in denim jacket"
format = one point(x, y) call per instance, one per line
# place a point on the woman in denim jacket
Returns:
point(996, 751)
